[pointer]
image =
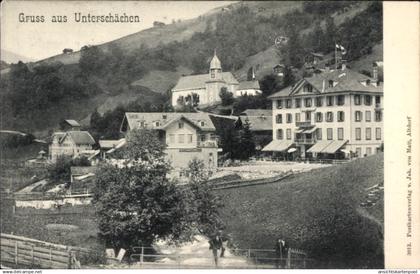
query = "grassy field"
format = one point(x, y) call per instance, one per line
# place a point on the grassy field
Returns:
point(317, 211)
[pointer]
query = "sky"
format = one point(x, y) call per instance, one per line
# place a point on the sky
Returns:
point(40, 40)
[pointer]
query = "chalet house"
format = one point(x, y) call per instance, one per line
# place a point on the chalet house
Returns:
point(333, 114)
point(70, 143)
point(186, 135)
point(248, 88)
point(260, 124)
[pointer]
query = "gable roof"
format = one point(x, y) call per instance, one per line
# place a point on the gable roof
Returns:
point(249, 85)
point(72, 123)
point(347, 81)
point(78, 137)
point(259, 119)
point(199, 81)
point(160, 120)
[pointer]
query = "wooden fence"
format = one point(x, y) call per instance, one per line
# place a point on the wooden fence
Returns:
point(22, 252)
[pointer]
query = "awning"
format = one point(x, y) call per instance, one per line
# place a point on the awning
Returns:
point(334, 146)
point(319, 146)
point(290, 150)
point(345, 151)
point(299, 130)
point(278, 145)
point(310, 130)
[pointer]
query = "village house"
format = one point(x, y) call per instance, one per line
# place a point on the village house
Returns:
point(186, 135)
point(204, 89)
point(70, 125)
point(333, 114)
point(71, 143)
point(260, 124)
point(248, 88)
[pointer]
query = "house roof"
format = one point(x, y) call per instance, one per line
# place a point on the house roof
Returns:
point(72, 123)
point(107, 144)
point(160, 120)
point(199, 81)
point(259, 119)
point(278, 145)
point(78, 137)
point(215, 63)
point(249, 85)
point(347, 81)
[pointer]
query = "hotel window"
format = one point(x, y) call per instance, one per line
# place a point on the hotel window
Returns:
point(181, 138)
point(279, 103)
point(368, 117)
point(171, 138)
point(368, 133)
point(330, 83)
point(378, 133)
point(288, 118)
point(297, 117)
point(289, 103)
point(340, 133)
point(357, 99)
point(180, 125)
point(203, 137)
point(329, 117)
point(279, 118)
point(189, 138)
point(368, 100)
point(319, 133)
point(358, 116)
point(359, 151)
point(289, 134)
point(358, 133)
point(279, 134)
point(319, 101)
point(330, 100)
point(307, 116)
point(340, 100)
point(308, 102)
point(318, 117)
point(298, 102)
point(368, 151)
point(329, 133)
point(378, 116)
point(377, 100)
point(340, 116)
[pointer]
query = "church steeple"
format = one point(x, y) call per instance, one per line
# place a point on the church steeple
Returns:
point(215, 67)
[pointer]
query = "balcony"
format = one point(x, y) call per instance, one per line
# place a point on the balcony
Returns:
point(305, 141)
point(304, 124)
point(208, 144)
point(378, 106)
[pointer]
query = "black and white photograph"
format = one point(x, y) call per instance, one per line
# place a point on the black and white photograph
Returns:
point(195, 135)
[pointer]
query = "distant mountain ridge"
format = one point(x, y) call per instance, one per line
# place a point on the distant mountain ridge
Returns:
point(11, 57)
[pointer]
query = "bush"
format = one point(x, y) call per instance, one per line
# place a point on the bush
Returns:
point(226, 96)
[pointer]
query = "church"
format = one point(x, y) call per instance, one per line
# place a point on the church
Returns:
point(204, 89)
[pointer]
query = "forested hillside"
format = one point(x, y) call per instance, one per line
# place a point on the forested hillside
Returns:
point(36, 97)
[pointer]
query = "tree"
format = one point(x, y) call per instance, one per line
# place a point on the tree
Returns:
point(136, 203)
point(59, 172)
point(204, 209)
point(226, 96)
point(246, 142)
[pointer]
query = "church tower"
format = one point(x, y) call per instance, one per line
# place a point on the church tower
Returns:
point(215, 68)
point(215, 81)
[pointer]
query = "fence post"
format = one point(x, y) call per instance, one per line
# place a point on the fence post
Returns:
point(69, 264)
point(249, 253)
point(16, 253)
point(142, 255)
point(289, 258)
point(50, 256)
point(32, 255)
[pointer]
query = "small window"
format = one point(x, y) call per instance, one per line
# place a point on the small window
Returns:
point(297, 117)
point(157, 124)
point(298, 102)
point(308, 116)
point(377, 100)
point(368, 151)
point(279, 103)
point(308, 88)
point(340, 100)
point(171, 138)
point(289, 134)
point(358, 116)
point(189, 138)
point(368, 133)
point(319, 101)
point(213, 74)
point(289, 118)
point(368, 100)
point(329, 133)
point(318, 116)
point(368, 117)
point(279, 134)
point(358, 132)
point(319, 134)
point(340, 133)
point(367, 82)
point(359, 151)
point(378, 133)
point(308, 102)
point(164, 116)
point(329, 117)
point(279, 118)
point(340, 116)
point(357, 99)
point(202, 123)
point(378, 116)
point(203, 137)
point(330, 83)
point(181, 125)
point(181, 138)
point(289, 103)
point(330, 100)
